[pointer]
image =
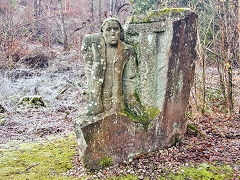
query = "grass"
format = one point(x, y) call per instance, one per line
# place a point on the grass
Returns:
point(52, 158)
point(204, 171)
point(47, 160)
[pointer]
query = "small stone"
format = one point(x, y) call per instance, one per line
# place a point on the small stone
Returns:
point(2, 110)
point(2, 122)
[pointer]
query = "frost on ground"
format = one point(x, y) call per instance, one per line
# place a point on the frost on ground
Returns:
point(60, 86)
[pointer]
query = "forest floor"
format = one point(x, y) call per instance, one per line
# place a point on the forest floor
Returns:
point(213, 153)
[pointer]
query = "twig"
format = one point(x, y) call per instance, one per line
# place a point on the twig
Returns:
point(194, 128)
point(63, 91)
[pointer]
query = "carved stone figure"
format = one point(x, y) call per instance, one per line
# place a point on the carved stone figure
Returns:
point(121, 121)
point(111, 70)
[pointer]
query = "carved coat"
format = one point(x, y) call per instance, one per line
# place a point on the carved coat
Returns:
point(124, 71)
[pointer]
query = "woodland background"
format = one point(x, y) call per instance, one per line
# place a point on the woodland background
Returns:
point(40, 54)
point(26, 24)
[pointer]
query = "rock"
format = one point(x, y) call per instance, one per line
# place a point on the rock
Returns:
point(2, 122)
point(2, 119)
point(2, 109)
point(33, 101)
point(164, 42)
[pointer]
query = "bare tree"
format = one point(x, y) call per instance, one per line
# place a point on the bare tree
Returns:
point(111, 7)
point(239, 28)
point(100, 10)
point(62, 19)
point(37, 8)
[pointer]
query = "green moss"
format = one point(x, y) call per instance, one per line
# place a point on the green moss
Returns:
point(152, 112)
point(152, 16)
point(33, 101)
point(37, 101)
point(202, 171)
point(47, 160)
point(127, 177)
point(87, 138)
point(148, 114)
point(105, 161)
point(144, 120)
point(164, 12)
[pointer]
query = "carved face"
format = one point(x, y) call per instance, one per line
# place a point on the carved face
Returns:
point(111, 32)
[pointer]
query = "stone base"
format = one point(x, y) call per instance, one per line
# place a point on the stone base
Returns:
point(116, 138)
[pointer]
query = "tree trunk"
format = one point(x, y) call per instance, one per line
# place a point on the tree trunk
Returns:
point(65, 39)
point(37, 7)
point(224, 57)
point(35, 4)
point(239, 30)
point(111, 8)
point(100, 10)
point(92, 16)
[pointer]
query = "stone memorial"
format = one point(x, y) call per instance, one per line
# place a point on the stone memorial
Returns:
point(138, 90)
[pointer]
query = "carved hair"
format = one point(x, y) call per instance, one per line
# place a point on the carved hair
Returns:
point(111, 19)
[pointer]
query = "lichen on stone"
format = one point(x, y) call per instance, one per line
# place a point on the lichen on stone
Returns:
point(149, 113)
point(156, 15)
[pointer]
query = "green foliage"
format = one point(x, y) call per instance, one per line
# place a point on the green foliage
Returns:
point(127, 177)
point(13, 3)
point(105, 161)
point(202, 171)
point(141, 6)
point(47, 160)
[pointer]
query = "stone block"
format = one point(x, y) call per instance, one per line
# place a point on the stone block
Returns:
point(164, 42)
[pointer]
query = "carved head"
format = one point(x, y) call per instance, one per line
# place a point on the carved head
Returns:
point(111, 29)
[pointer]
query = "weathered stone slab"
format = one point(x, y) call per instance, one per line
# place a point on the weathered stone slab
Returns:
point(116, 138)
point(165, 63)
point(151, 115)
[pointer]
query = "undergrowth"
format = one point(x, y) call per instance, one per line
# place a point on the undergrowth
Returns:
point(204, 171)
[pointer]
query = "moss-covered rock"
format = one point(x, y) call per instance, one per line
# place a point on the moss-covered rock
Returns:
point(35, 101)
point(148, 115)
point(157, 15)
